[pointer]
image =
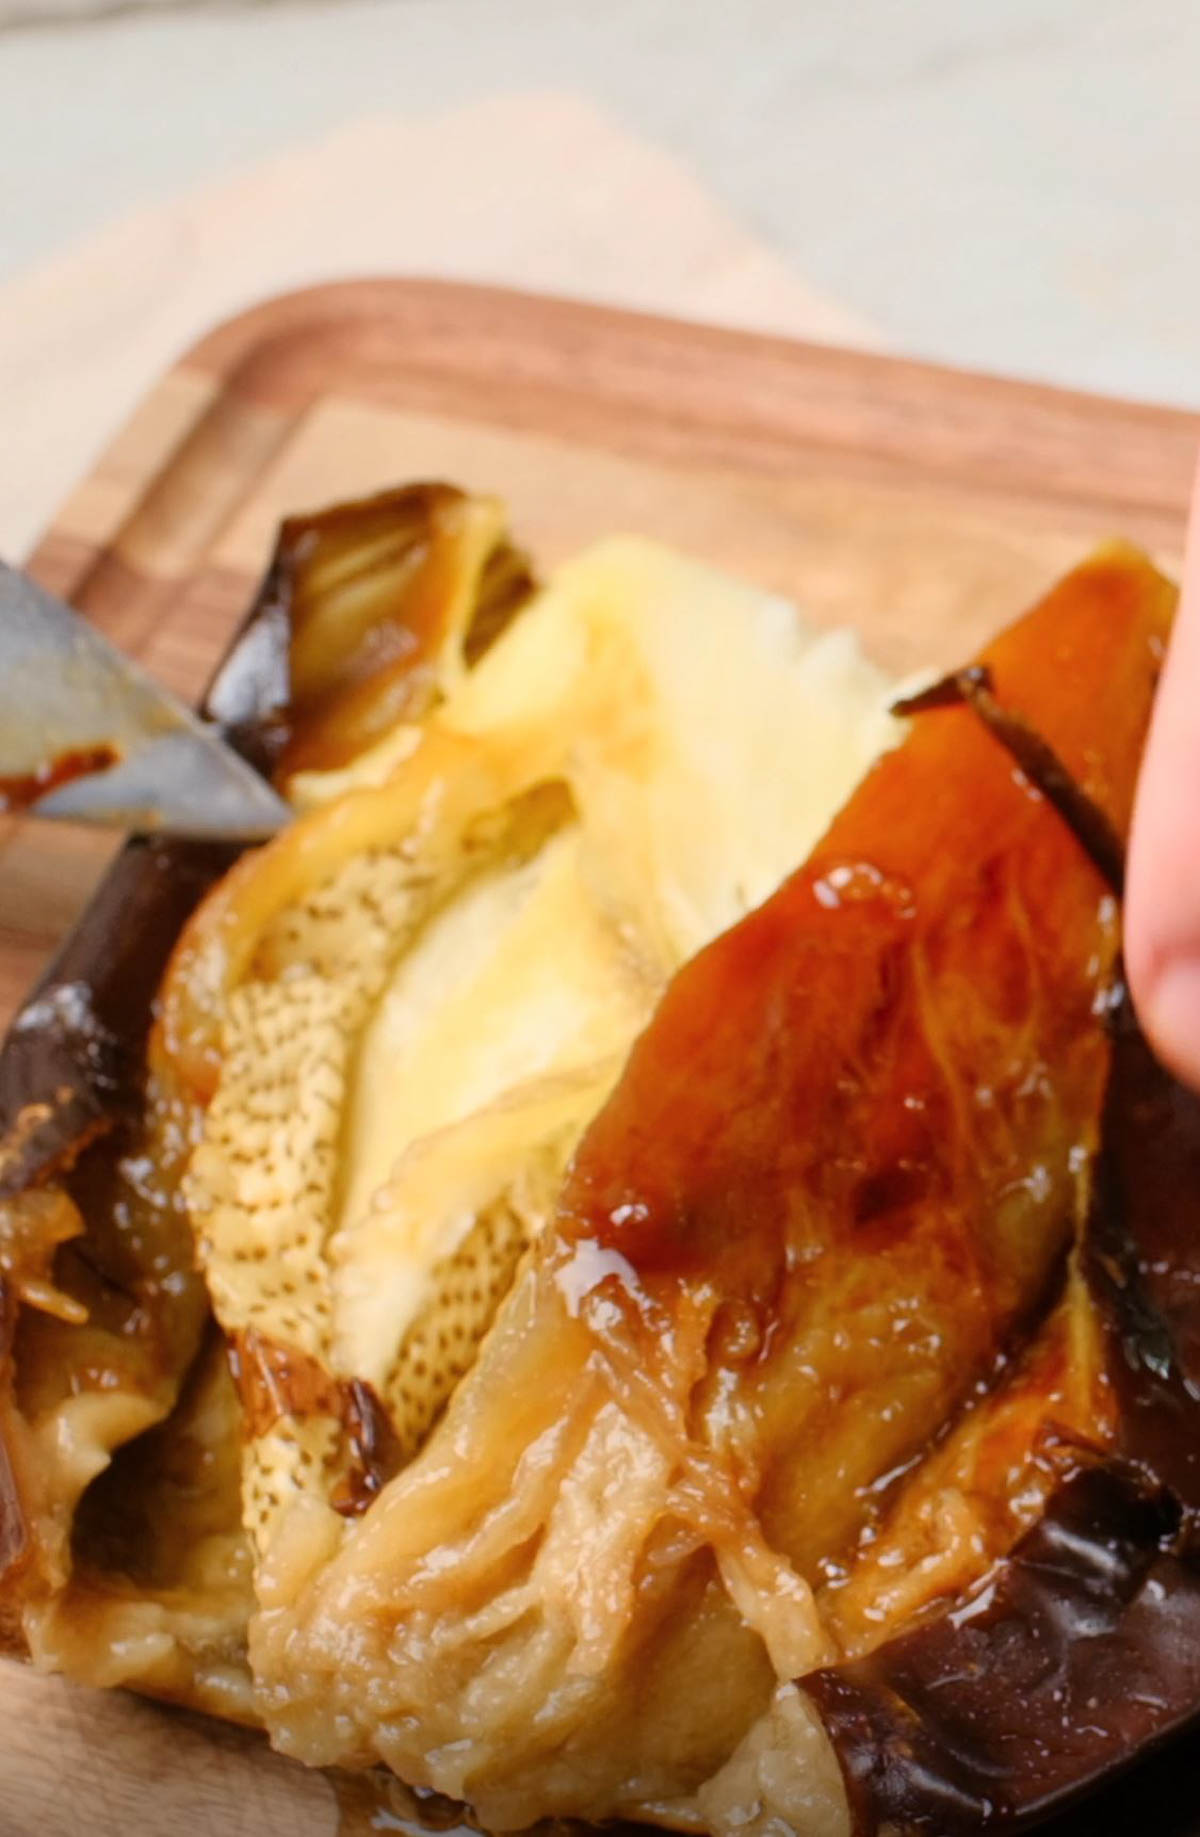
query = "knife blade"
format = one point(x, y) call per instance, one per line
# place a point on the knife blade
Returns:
point(87, 737)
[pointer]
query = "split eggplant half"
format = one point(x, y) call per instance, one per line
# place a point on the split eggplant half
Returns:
point(786, 1424)
point(136, 1569)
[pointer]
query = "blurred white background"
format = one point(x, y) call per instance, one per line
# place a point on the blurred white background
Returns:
point(1009, 187)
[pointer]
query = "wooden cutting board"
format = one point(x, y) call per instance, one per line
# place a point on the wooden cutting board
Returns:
point(923, 505)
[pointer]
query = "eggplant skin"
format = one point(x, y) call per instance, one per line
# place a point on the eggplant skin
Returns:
point(366, 608)
point(73, 1061)
point(1084, 1648)
point(71, 1064)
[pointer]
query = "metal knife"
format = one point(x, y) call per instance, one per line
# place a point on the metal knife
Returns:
point(88, 737)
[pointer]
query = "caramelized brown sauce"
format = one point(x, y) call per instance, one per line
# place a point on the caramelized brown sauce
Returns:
point(367, 588)
point(21, 790)
point(274, 1381)
point(377, 1801)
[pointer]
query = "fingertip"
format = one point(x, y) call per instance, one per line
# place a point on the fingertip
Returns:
point(1162, 906)
point(1168, 1005)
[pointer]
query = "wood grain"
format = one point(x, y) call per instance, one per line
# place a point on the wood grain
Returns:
point(90, 1763)
point(923, 505)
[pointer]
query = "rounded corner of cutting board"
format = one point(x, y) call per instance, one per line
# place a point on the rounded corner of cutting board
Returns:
point(312, 309)
point(679, 394)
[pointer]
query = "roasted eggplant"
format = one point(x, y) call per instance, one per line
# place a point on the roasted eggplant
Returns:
point(788, 1424)
point(569, 907)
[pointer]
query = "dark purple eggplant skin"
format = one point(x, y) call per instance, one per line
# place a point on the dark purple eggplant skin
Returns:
point(76, 1047)
point(1083, 1650)
point(1157, 1796)
point(72, 1067)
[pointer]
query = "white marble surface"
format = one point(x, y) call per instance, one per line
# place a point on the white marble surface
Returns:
point(1008, 186)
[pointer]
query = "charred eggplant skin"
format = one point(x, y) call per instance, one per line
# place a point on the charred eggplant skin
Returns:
point(71, 1063)
point(1084, 1649)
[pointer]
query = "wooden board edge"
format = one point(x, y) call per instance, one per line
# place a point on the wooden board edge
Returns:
point(1120, 451)
point(250, 378)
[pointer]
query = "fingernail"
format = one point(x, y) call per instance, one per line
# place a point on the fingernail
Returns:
point(1173, 1019)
